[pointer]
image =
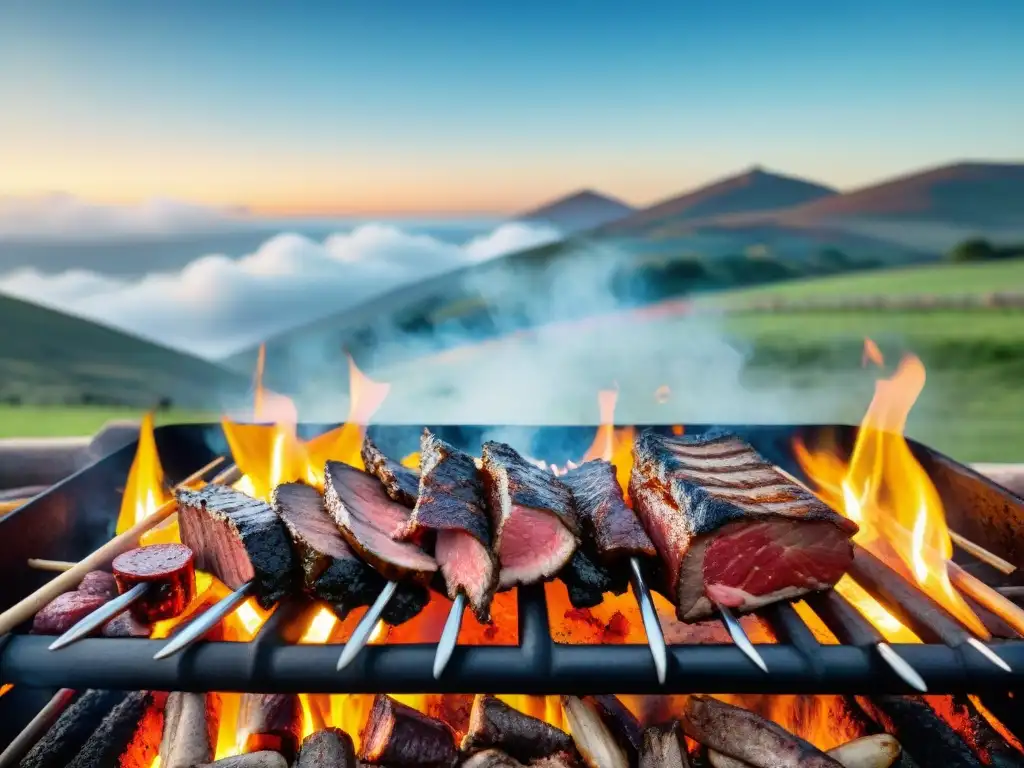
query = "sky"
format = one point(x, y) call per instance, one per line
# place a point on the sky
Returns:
point(450, 107)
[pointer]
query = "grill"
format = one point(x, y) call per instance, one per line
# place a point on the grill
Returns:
point(77, 516)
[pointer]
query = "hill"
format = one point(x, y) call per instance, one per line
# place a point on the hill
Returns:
point(753, 190)
point(48, 357)
point(581, 210)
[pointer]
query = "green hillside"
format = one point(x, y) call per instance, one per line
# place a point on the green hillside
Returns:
point(49, 358)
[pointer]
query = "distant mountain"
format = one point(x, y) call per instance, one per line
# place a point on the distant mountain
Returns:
point(753, 190)
point(581, 210)
point(972, 194)
point(57, 358)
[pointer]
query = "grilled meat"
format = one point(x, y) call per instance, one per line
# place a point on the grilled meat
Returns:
point(126, 625)
point(398, 736)
point(238, 539)
point(167, 569)
point(742, 735)
point(604, 516)
point(64, 611)
point(367, 517)
point(730, 528)
point(534, 524)
point(494, 724)
point(327, 748)
point(451, 503)
point(99, 583)
point(401, 483)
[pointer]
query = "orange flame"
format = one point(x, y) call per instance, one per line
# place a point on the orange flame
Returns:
point(872, 354)
point(611, 444)
point(144, 491)
point(889, 495)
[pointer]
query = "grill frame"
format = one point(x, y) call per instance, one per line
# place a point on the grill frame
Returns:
point(78, 515)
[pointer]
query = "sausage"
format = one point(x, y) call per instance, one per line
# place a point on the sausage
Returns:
point(170, 571)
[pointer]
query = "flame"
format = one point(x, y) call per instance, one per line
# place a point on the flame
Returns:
point(889, 495)
point(5, 688)
point(662, 394)
point(144, 491)
point(611, 444)
point(872, 354)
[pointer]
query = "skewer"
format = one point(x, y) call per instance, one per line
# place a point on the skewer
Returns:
point(100, 616)
point(58, 566)
point(740, 637)
point(26, 608)
point(36, 727)
point(205, 622)
point(1001, 565)
point(449, 635)
point(989, 598)
point(652, 626)
point(850, 626)
point(361, 634)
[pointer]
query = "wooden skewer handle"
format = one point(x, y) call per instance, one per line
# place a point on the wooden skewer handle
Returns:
point(58, 566)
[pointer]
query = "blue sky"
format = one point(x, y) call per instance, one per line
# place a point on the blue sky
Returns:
point(354, 107)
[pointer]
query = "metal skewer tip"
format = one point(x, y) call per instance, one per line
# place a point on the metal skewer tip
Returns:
point(207, 621)
point(449, 636)
point(99, 617)
point(740, 637)
point(361, 634)
point(988, 653)
point(652, 626)
point(899, 665)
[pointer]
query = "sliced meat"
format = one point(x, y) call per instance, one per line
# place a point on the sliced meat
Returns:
point(401, 483)
point(730, 528)
point(604, 515)
point(168, 571)
point(494, 724)
point(238, 539)
point(331, 570)
point(327, 748)
point(126, 625)
point(367, 517)
point(740, 734)
point(99, 583)
point(534, 524)
point(64, 611)
point(451, 503)
point(398, 736)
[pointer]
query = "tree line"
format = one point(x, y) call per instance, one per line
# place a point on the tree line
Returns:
point(980, 249)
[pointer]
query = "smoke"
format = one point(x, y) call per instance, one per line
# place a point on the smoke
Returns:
point(541, 336)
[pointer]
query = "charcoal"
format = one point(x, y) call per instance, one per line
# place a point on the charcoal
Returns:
point(663, 746)
point(262, 759)
point(491, 758)
point(398, 736)
point(190, 729)
point(327, 748)
point(128, 737)
point(401, 483)
point(270, 721)
point(622, 724)
point(926, 738)
point(238, 539)
point(68, 734)
point(494, 724)
point(587, 580)
point(594, 741)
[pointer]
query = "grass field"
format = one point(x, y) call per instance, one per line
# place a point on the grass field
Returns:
point(73, 421)
point(932, 279)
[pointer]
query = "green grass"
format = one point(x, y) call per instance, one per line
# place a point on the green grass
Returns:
point(933, 279)
point(73, 421)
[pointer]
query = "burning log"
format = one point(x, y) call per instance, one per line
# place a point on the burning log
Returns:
point(128, 737)
point(491, 758)
point(749, 738)
point(262, 759)
point(398, 736)
point(68, 735)
point(270, 721)
point(664, 747)
point(623, 725)
point(327, 748)
point(878, 751)
point(594, 741)
point(928, 738)
point(190, 729)
point(987, 741)
point(493, 723)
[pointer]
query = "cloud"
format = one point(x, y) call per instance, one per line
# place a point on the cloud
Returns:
point(217, 305)
point(60, 216)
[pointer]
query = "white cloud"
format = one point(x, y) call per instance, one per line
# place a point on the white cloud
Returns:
point(60, 216)
point(217, 305)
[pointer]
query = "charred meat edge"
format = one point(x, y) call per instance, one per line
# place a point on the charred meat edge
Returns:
point(401, 483)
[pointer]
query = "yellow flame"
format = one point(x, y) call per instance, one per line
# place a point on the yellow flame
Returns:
point(144, 491)
point(886, 491)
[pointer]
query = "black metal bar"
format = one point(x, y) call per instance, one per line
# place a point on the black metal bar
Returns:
point(790, 628)
point(844, 621)
point(128, 664)
point(535, 641)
